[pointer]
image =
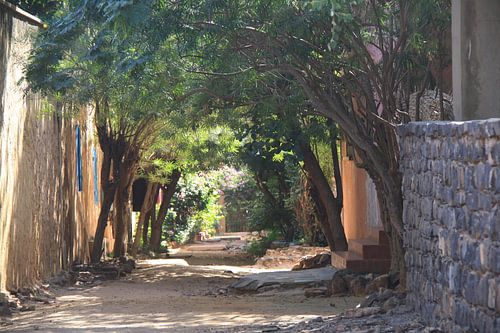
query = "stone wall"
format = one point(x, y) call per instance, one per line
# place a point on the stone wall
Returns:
point(45, 221)
point(451, 186)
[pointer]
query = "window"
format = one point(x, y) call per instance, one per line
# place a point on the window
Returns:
point(79, 177)
point(96, 177)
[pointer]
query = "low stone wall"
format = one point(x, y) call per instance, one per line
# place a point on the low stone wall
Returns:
point(451, 186)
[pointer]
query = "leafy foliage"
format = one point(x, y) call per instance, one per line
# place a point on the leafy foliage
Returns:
point(41, 8)
point(269, 70)
point(259, 247)
point(195, 208)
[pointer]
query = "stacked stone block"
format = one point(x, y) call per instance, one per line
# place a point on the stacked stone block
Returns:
point(451, 189)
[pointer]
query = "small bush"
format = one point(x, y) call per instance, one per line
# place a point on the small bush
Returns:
point(259, 247)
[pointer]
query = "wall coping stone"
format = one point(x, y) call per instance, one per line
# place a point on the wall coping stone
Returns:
point(444, 128)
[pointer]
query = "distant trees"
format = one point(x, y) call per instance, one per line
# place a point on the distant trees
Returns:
point(177, 155)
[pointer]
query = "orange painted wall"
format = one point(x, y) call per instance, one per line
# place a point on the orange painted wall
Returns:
point(354, 212)
point(360, 213)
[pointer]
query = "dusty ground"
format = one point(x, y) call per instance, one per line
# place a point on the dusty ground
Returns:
point(172, 296)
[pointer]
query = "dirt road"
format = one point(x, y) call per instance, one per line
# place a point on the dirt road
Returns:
point(168, 296)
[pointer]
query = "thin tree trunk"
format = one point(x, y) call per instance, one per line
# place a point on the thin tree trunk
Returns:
point(315, 173)
point(127, 171)
point(151, 219)
point(391, 207)
point(108, 190)
point(146, 207)
point(157, 226)
point(120, 227)
point(150, 216)
point(321, 215)
point(265, 191)
point(287, 228)
point(336, 165)
point(108, 187)
point(145, 228)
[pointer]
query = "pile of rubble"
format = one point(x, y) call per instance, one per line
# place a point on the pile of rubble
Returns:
point(348, 283)
point(398, 318)
point(25, 299)
point(383, 310)
point(313, 261)
point(22, 300)
point(293, 257)
point(89, 274)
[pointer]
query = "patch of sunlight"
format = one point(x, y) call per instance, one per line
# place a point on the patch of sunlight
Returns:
point(77, 298)
point(240, 269)
point(165, 262)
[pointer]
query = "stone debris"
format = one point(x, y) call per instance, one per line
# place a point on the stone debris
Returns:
point(25, 299)
point(89, 274)
point(316, 292)
point(313, 261)
point(61, 279)
point(362, 312)
point(291, 256)
point(318, 277)
point(373, 319)
point(345, 282)
point(216, 292)
point(4, 321)
point(4, 305)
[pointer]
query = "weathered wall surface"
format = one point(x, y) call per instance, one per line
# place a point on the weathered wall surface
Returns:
point(451, 186)
point(361, 211)
point(476, 69)
point(45, 222)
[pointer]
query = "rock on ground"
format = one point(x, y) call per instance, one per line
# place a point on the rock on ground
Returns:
point(313, 261)
point(288, 257)
point(285, 279)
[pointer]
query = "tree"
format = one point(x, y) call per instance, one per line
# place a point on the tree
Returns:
point(89, 56)
point(349, 58)
point(188, 145)
point(277, 134)
point(350, 65)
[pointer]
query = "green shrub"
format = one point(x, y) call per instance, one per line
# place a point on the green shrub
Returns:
point(259, 247)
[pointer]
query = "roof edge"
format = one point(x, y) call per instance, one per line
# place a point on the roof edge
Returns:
point(21, 14)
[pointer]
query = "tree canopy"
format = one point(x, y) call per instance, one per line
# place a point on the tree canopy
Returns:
point(273, 71)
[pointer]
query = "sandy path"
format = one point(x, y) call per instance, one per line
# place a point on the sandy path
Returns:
point(161, 297)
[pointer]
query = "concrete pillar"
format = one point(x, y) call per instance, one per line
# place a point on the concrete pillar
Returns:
point(476, 59)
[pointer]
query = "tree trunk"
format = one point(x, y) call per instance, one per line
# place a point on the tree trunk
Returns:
point(150, 216)
point(389, 196)
point(336, 165)
point(120, 227)
point(109, 190)
point(127, 171)
point(147, 204)
point(379, 155)
point(265, 191)
point(321, 215)
point(333, 212)
point(157, 226)
point(108, 187)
